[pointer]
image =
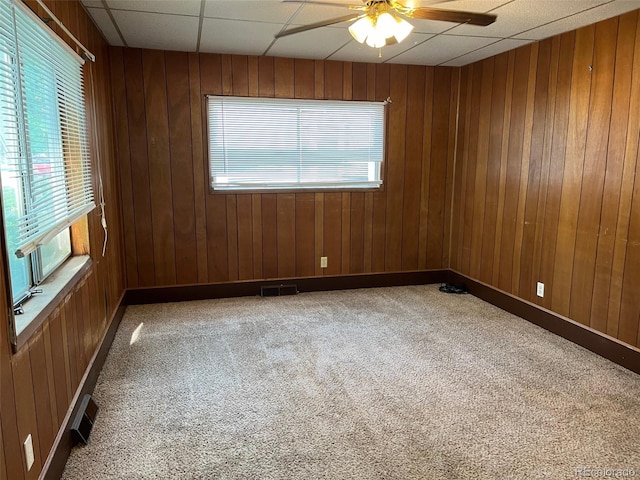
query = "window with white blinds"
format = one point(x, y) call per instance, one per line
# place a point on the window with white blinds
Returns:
point(45, 157)
point(283, 144)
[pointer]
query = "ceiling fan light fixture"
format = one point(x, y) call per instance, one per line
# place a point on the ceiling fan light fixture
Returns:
point(361, 29)
point(402, 29)
point(376, 40)
point(386, 25)
point(376, 29)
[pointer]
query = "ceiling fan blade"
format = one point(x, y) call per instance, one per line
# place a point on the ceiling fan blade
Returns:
point(323, 23)
point(456, 16)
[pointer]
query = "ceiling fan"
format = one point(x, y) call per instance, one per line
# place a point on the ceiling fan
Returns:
point(380, 22)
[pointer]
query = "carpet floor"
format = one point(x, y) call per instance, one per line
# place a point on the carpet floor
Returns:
point(388, 383)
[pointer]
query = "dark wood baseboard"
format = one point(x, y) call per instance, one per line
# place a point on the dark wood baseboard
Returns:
point(57, 459)
point(138, 296)
point(605, 346)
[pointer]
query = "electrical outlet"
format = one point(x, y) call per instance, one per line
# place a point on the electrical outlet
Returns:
point(323, 262)
point(28, 452)
point(540, 290)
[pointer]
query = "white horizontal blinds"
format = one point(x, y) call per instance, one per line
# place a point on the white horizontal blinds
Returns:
point(9, 134)
point(9, 140)
point(11, 150)
point(260, 143)
point(55, 160)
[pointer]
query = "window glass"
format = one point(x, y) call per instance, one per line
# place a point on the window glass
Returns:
point(54, 253)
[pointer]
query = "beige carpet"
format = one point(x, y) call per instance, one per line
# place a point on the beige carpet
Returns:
point(392, 383)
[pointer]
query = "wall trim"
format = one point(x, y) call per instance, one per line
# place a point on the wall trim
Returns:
point(181, 293)
point(61, 448)
point(597, 342)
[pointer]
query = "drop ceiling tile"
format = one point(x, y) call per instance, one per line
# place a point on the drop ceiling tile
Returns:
point(182, 7)
point(102, 19)
point(522, 15)
point(358, 52)
point(316, 44)
point(579, 20)
point(269, 11)
point(92, 3)
point(317, 13)
point(488, 51)
point(233, 36)
point(441, 49)
point(159, 31)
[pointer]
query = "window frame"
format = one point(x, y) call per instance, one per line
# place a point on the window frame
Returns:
point(346, 189)
point(65, 271)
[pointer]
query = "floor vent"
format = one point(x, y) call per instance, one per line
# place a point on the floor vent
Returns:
point(278, 290)
point(83, 423)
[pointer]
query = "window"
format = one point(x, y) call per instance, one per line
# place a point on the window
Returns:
point(44, 162)
point(267, 143)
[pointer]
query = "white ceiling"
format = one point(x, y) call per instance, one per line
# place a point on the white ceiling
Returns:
point(248, 27)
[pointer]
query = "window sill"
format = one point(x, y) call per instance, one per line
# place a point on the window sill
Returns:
point(54, 289)
point(231, 191)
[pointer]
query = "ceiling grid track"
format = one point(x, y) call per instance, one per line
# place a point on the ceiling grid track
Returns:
point(200, 22)
point(115, 24)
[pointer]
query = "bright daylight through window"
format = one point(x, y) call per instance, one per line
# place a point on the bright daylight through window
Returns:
point(44, 162)
point(269, 144)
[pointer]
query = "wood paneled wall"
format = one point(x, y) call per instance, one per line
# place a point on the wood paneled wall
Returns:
point(38, 383)
point(546, 182)
point(176, 232)
point(543, 188)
